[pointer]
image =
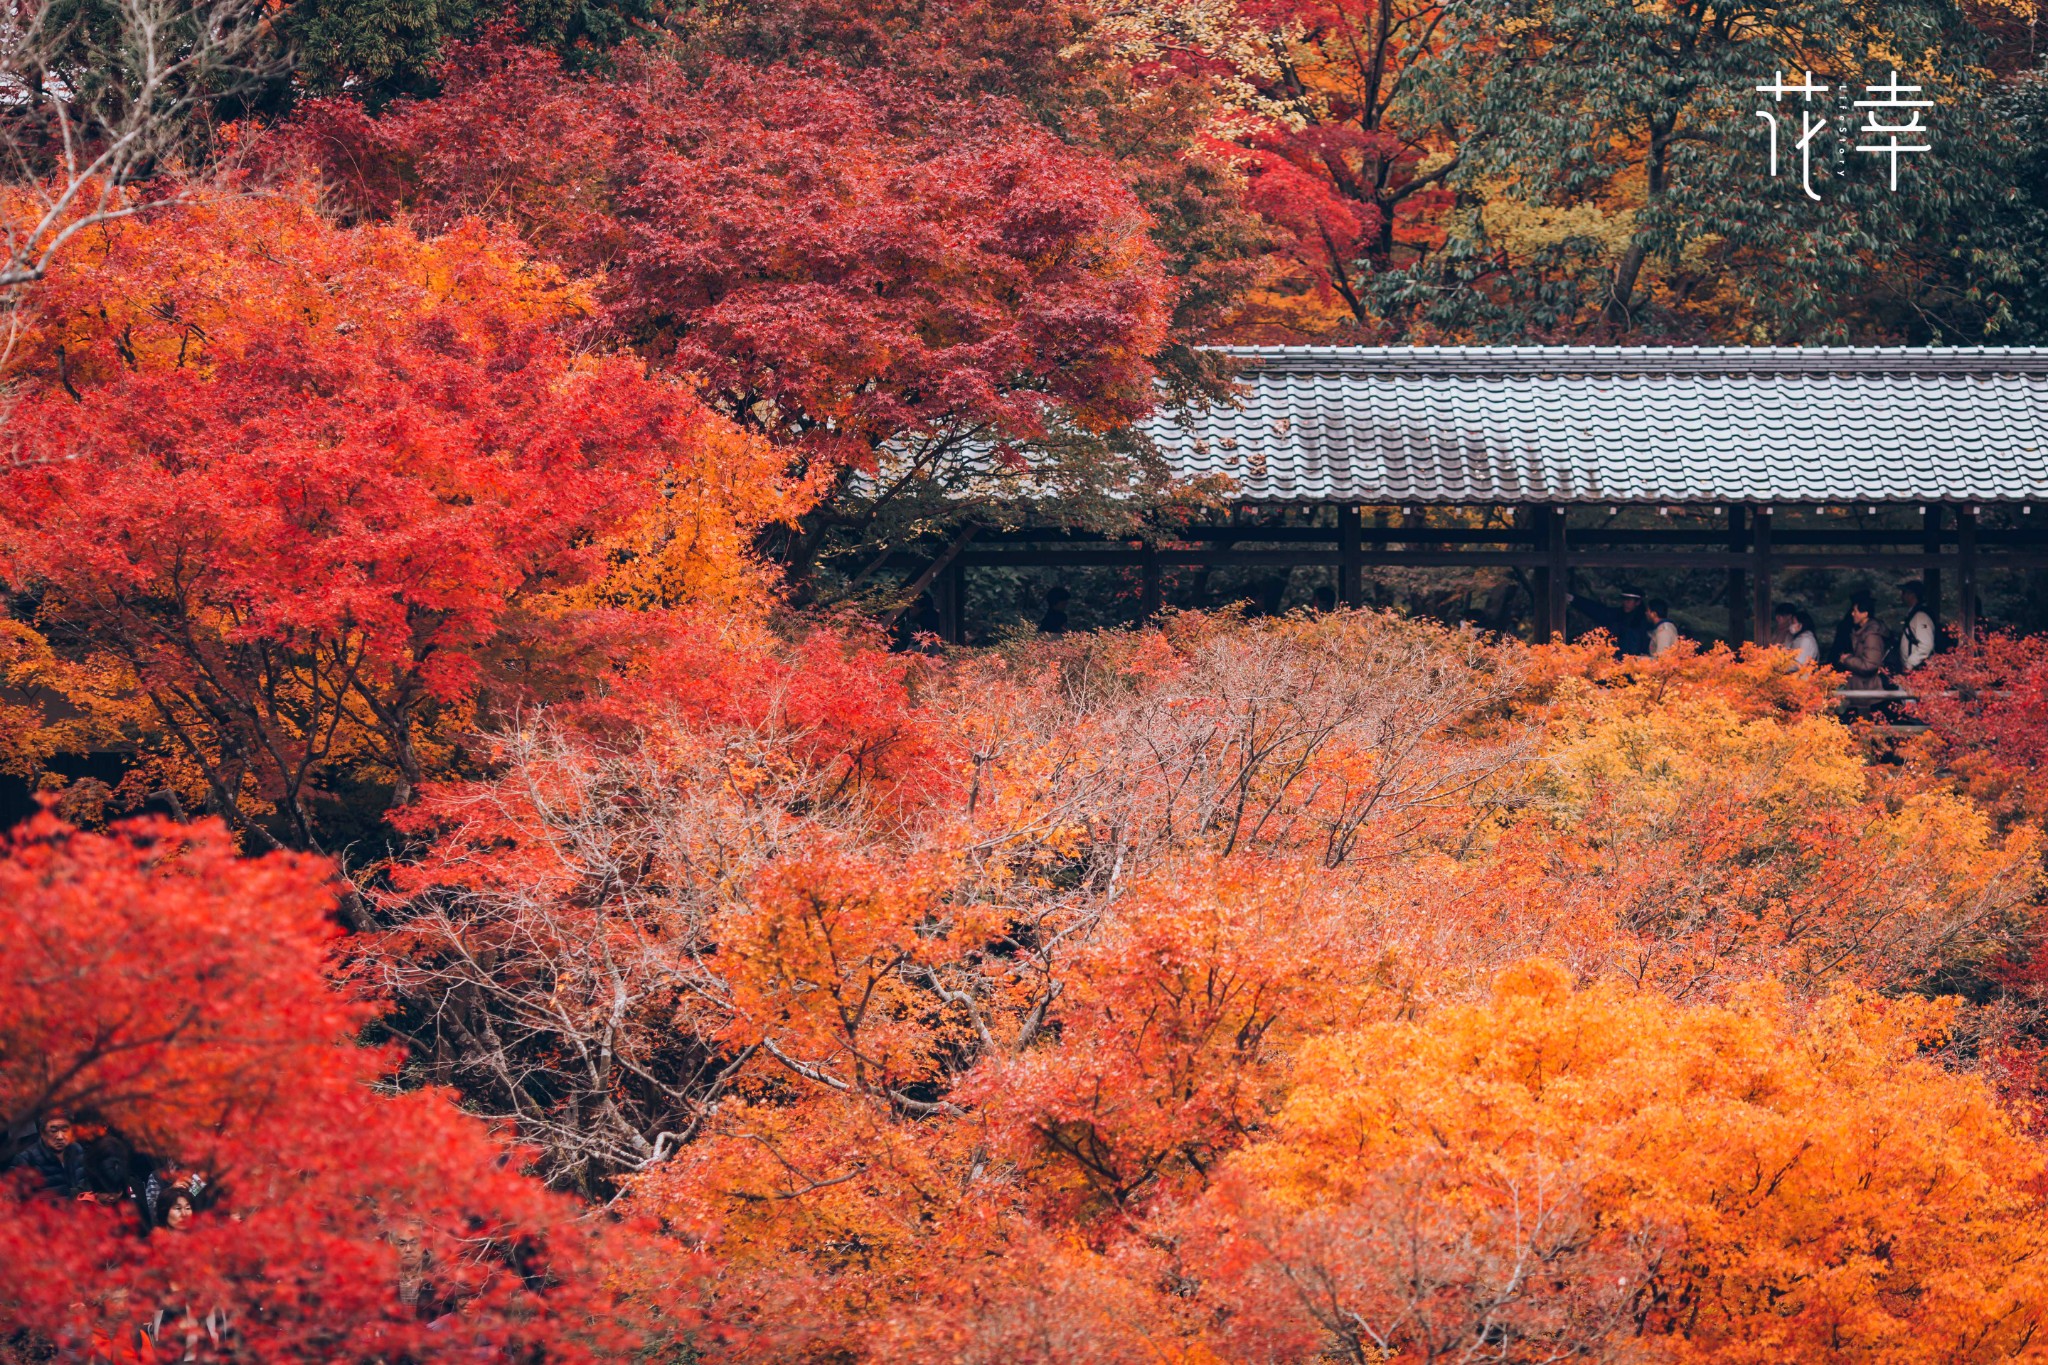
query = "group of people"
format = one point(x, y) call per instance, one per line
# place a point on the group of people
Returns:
point(1863, 647)
point(99, 1167)
point(1641, 627)
point(76, 1159)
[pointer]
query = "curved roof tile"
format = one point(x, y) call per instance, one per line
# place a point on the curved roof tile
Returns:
point(1625, 424)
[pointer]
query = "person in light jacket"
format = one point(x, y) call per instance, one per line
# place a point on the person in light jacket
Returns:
point(1865, 658)
point(1794, 631)
point(1805, 644)
point(1663, 632)
point(1916, 640)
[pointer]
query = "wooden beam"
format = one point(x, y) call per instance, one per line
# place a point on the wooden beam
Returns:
point(1187, 557)
point(956, 603)
point(1148, 583)
point(1931, 544)
point(932, 571)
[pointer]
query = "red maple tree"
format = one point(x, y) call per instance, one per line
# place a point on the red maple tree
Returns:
point(845, 260)
point(304, 503)
point(179, 993)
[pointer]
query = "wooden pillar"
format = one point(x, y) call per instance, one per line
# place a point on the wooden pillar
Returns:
point(1148, 583)
point(1760, 571)
point(1966, 572)
point(956, 603)
point(1553, 579)
point(1742, 622)
point(1350, 588)
point(1930, 573)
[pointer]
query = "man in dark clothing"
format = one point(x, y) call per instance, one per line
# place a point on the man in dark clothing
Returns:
point(919, 628)
point(1864, 659)
point(1627, 623)
point(1054, 622)
point(57, 1160)
point(1845, 635)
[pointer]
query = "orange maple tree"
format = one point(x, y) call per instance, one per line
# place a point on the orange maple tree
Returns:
point(304, 503)
point(995, 980)
point(1608, 1175)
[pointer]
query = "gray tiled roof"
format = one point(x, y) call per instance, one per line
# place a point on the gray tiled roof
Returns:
point(1628, 424)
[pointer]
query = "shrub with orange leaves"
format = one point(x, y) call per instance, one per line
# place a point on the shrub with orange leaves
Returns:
point(1180, 1013)
point(930, 1000)
point(1700, 820)
point(1607, 1175)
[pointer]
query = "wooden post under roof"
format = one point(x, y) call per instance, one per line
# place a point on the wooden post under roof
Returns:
point(1148, 583)
point(1555, 576)
point(1742, 620)
point(1350, 587)
point(1930, 540)
point(1966, 572)
point(1760, 571)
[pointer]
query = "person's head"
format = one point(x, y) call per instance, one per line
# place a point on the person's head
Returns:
point(1057, 596)
point(1914, 593)
point(1785, 614)
point(1657, 609)
point(56, 1131)
point(409, 1240)
point(1326, 598)
point(1631, 600)
point(1861, 608)
point(1802, 621)
point(174, 1209)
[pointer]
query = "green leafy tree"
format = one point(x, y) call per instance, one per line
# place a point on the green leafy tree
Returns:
point(379, 49)
point(1615, 181)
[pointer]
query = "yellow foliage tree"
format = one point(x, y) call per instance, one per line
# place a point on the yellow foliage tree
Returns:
point(1608, 1175)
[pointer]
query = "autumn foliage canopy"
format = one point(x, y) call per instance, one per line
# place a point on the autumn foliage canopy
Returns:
point(497, 849)
point(844, 260)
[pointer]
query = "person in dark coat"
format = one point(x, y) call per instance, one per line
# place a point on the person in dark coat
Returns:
point(57, 1160)
point(1628, 624)
point(1845, 635)
point(1863, 661)
point(1054, 622)
point(918, 629)
point(110, 1164)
